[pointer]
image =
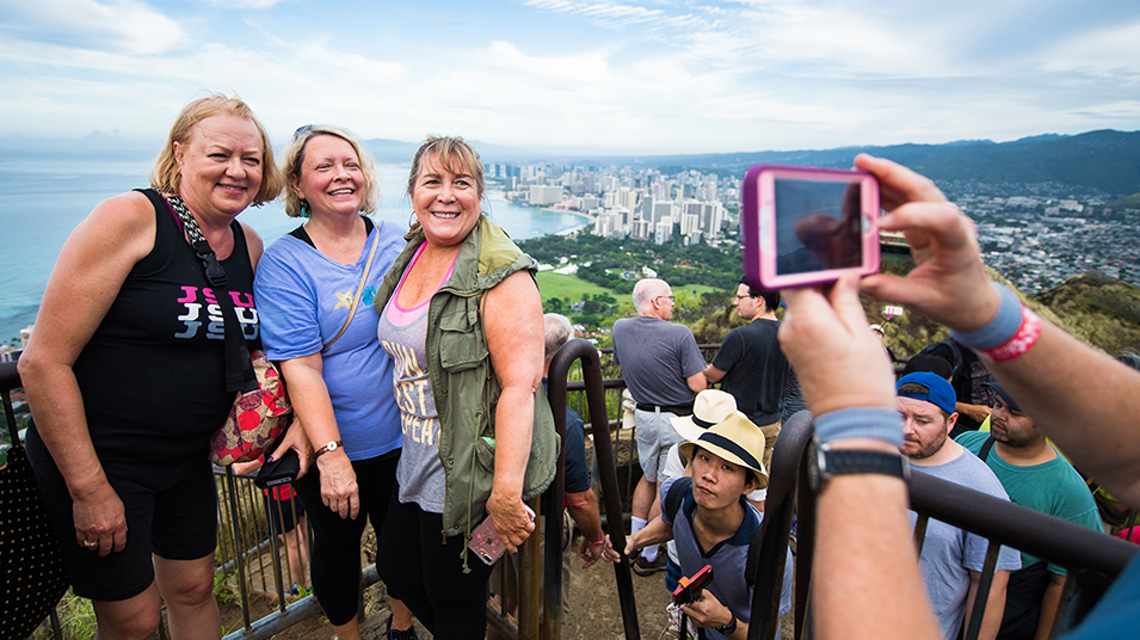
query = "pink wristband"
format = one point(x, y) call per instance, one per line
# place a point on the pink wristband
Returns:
point(1017, 346)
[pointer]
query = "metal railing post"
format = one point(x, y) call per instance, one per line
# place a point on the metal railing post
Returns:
point(239, 556)
point(769, 552)
point(603, 448)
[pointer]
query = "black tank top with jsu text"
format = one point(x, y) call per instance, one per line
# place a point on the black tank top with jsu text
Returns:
point(153, 374)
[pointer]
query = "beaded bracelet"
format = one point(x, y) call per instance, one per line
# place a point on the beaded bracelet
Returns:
point(1011, 333)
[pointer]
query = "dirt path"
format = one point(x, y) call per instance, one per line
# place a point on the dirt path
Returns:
point(595, 610)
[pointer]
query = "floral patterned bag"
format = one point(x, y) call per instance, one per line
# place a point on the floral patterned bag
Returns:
point(261, 412)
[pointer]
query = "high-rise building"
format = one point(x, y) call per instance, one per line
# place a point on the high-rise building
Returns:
point(662, 210)
point(663, 230)
point(541, 194)
point(712, 218)
point(645, 211)
point(639, 229)
point(690, 222)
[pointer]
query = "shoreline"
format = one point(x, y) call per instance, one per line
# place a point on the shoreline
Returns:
point(572, 212)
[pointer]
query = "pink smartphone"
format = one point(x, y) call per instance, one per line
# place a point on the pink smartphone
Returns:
point(485, 540)
point(802, 226)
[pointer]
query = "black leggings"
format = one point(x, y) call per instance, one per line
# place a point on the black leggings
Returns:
point(335, 553)
point(428, 574)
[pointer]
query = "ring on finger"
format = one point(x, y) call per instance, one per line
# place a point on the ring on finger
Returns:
point(89, 544)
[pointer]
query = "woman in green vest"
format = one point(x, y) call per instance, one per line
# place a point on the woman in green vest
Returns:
point(461, 316)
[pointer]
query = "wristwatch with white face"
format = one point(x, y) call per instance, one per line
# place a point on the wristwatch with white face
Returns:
point(333, 445)
point(823, 463)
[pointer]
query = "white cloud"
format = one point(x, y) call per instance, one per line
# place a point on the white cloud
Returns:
point(243, 4)
point(619, 14)
point(123, 26)
point(667, 76)
point(1110, 52)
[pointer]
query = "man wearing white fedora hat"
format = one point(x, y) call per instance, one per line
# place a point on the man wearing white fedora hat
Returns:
point(711, 406)
point(714, 515)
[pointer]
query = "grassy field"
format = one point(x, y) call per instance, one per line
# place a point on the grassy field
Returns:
point(557, 285)
point(696, 289)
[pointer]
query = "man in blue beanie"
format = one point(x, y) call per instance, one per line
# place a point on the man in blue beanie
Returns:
point(951, 559)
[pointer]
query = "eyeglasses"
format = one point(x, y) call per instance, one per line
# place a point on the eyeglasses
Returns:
point(671, 298)
point(302, 131)
point(741, 297)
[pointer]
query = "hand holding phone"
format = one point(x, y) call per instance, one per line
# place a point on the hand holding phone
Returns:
point(689, 589)
point(485, 541)
point(279, 471)
point(803, 225)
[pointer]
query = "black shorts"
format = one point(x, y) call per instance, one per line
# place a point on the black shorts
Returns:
point(171, 511)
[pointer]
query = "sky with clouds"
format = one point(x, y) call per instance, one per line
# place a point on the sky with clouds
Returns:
point(597, 76)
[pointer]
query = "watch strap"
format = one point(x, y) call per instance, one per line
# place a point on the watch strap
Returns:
point(849, 461)
point(729, 628)
point(333, 445)
point(824, 463)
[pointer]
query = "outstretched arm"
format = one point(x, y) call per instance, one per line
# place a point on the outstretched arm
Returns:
point(583, 508)
point(864, 549)
point(1076, 395)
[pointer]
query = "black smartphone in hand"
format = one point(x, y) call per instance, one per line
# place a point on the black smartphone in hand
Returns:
point(280, 471)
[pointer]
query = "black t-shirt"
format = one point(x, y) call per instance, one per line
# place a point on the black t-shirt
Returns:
point(153, 374)
point(755, 370)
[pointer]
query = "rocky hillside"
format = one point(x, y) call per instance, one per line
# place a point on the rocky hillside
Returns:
point(1098, 310)
point(1101, 311)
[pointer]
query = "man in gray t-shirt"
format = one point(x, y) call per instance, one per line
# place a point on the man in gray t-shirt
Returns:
point(952, 559)
point(663, 369)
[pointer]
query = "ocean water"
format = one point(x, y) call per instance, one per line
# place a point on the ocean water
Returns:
point(44, 196)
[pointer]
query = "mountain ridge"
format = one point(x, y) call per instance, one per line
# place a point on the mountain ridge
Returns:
point(1106, 161)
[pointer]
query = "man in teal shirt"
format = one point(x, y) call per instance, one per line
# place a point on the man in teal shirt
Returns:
point(1036, 476)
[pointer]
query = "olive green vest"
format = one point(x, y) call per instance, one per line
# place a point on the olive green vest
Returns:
point(463, 384)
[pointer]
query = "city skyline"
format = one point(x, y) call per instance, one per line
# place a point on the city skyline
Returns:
point(581, 76)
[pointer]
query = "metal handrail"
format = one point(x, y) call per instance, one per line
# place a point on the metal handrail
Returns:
point(769, 546)
point(573, 350)
point(594, 389)
point(1094, 557)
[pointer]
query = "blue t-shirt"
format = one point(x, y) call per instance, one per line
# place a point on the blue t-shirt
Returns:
point(303, 298)
point(1117, 615)
point(577, 473)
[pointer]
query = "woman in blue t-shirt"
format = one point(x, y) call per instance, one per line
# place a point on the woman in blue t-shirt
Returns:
point(314, 290)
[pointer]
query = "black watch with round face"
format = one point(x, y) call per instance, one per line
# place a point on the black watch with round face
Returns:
point(823, 463)
point(727, 629)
